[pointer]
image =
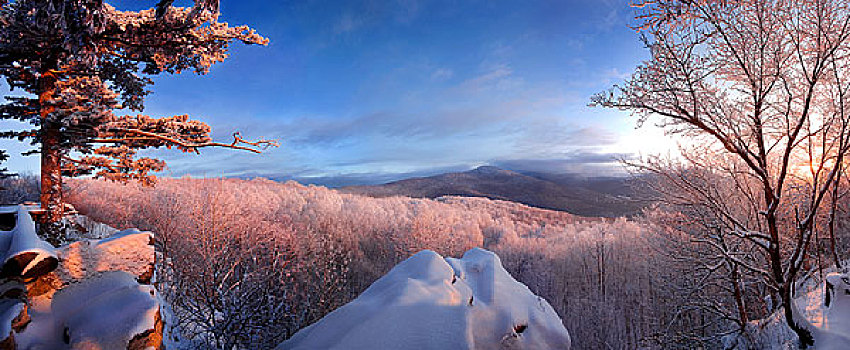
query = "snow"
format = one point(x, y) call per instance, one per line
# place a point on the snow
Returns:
point(102, 312)
point(129, 250)
point(99, 303)
point(9, 310)
point(23, 252)
point(834, 331)
point(428, 302)
point(828, 322)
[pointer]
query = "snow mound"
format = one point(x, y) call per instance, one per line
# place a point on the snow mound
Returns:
point(104, 312)
point(428, 302)
point(23, 253)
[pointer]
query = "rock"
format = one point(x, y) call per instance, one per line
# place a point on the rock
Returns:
point(8, 343)
point(13, 317)
point(130, 251)
point(12, 289)
point(109, 311)
point(44, 285)
point(149, 339)
point(93, 299)
point(837, 302)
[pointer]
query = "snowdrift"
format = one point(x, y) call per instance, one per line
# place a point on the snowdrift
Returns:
point(428, 302)
point(833, 332)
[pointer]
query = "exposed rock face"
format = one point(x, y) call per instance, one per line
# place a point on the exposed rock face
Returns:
point(150, 339)
point(13, 317)
point(428, 302)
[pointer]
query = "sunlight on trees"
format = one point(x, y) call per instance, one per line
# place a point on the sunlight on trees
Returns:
point(79, 61)
point(329, 247)
point(761, 86)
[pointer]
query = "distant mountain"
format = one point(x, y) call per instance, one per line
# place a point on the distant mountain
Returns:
point(585, 196)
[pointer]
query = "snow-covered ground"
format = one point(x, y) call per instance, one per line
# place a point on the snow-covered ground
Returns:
point(428, 302)
point(825, 311)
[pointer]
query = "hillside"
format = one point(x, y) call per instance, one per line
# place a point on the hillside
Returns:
point(602, 196)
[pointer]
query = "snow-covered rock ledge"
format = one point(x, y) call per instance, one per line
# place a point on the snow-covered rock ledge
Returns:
point(428, 302)
point(90, 294)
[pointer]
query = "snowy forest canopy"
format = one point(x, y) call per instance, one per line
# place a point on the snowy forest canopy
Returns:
point(622, 282)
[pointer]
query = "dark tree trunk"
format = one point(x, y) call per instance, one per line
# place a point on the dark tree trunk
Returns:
point(832, 213)
point(785, 284)
point(803, 334)
point(743, 317)
point(51, 163)
point(51, 174)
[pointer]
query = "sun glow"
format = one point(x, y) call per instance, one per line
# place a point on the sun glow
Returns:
point(808, 169)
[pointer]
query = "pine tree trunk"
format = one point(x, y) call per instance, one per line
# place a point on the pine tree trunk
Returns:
point(51, 162)
point(51, 174)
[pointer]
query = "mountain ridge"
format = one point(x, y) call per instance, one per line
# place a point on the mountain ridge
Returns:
point(584, 196)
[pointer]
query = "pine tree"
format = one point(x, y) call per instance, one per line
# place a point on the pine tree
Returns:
point(4, 172)
point(80, 61)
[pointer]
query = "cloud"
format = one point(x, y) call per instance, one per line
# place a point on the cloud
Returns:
point(369, 178)
point(577, 162)
point(498, 77)
point(359, 16)
point(587, 163)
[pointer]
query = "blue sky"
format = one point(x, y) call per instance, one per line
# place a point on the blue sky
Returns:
point(370, 91)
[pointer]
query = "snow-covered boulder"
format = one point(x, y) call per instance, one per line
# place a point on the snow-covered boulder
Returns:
point(13, 316)
point(110, 311)
point(130, 251)
point(90, 294)
point(428, 302)
point(822, 307)
point(23, 253)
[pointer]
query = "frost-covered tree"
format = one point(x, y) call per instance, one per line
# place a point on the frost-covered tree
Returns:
point(80, 61)
point(4, 172)
point(762, 86)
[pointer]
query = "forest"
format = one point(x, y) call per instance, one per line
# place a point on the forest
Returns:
point(616, 283)
point(735, 236)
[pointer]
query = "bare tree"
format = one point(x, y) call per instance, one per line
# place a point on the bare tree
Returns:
point(763, 84)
